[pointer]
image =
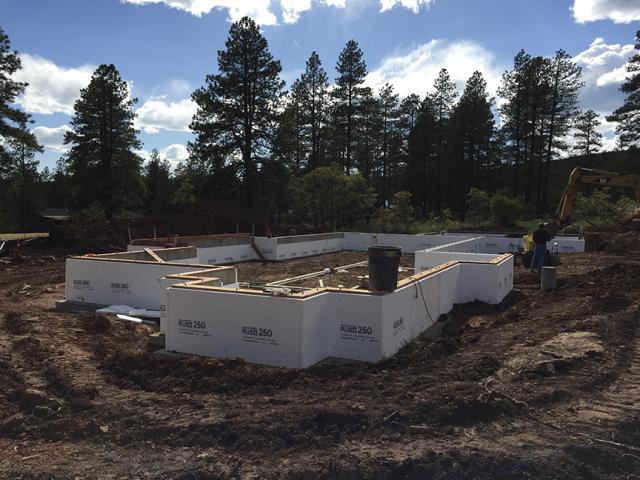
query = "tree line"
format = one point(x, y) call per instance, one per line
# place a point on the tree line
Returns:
point(328, 154)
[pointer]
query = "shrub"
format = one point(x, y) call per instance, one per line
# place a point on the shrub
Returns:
point(401, 205)
point(506, 211)
point(601, 208)
point(478, 206)
point(389, 220)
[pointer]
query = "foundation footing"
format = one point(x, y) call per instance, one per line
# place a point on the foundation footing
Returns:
point(164, 353)
point(72, 307)
point(156, 340)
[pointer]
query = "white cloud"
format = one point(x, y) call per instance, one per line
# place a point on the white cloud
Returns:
point(52, 89)
point(615, 77)
point(603, 70)
point(51, 138)
point(413, 5)
point(256, 9)
point(266, 12)
point(607, 129)
point(291, 9)
point(158, 114)
point(174, 153)
point(620, 11)
point(416, 70)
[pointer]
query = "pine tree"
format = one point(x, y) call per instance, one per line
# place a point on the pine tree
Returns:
point(12, 119)
point(390, 139)
point(348, 99)
point(103, 166)
point(157, 181)
point(237, 108)
point(367, 137)
point(22, 175)
point(628, 115)
point(443, 100)
point(471, 134)
point(422, 147)
point(566, 82)
point(541, 97)
point(587, 139)
point(312, 93)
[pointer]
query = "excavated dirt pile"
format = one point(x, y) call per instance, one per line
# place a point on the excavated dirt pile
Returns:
point(542, 386)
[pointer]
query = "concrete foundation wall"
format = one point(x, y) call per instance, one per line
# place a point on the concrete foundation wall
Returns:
point(300, 331)
point(286, 248)
point(426, 259)
point(257, 328)
point(105, 282)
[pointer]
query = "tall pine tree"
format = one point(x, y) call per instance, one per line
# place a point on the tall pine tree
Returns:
point(443, 100)
point(422, 148)
point(23, 177)
point(566, 81)
point(237, 108)
point(348, 96)
point(157, 181)
point(628, 115)
point(12, 119)
point(102, 162)
point(313, 96)
point(587, 139)
point(471, 134)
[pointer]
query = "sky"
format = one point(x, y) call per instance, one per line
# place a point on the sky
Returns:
point(165, 48)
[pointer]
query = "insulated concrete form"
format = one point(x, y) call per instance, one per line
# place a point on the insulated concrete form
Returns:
point(205, 311)
point(225, 249)
point(130, 278)
point(300, 329)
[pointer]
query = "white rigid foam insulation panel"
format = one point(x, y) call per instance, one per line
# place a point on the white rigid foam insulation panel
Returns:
point(287, 248)
point(101, 281)
point(297, 332)
point(258, 328)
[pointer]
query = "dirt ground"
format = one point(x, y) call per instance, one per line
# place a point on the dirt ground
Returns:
point(542, 386)
point(261, 273)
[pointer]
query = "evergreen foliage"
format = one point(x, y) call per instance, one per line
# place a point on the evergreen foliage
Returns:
point(103, 166)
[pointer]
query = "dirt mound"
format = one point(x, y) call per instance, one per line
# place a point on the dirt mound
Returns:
point(15, 323)
point(95, 323)
point(623, 243)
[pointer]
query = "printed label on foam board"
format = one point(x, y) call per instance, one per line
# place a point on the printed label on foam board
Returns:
point(79, 284)
point(263, 336)
point(398, 326)
point(359, 333)
point(196, 328)
point(121, 288)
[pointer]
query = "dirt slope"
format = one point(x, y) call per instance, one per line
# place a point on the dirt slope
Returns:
point(543, 386)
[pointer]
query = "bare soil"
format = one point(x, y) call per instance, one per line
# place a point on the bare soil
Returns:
point(265, 272)
point(542, 386)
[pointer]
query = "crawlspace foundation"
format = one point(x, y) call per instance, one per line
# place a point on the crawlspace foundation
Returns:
point(206, 310)
point(300, 329)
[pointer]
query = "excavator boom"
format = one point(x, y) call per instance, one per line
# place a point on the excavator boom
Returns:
point(579, 176)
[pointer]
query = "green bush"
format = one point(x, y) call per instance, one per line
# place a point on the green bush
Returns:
point(600, 208)
point(327, 197)
point(506, 211)
point(389, 220)
point(478, 207)
point(401, 204)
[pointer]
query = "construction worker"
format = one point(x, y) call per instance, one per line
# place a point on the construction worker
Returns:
point(540, 239)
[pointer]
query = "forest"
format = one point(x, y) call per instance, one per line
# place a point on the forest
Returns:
point(327, 154)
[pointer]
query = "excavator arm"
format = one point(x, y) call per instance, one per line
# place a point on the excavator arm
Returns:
point(579, 176)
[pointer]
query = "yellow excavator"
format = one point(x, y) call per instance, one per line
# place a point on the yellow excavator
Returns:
point(589, 176)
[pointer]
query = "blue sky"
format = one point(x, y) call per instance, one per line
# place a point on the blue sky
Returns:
point(164, 48)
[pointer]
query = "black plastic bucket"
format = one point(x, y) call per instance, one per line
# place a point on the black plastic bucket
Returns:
point(383, 267)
